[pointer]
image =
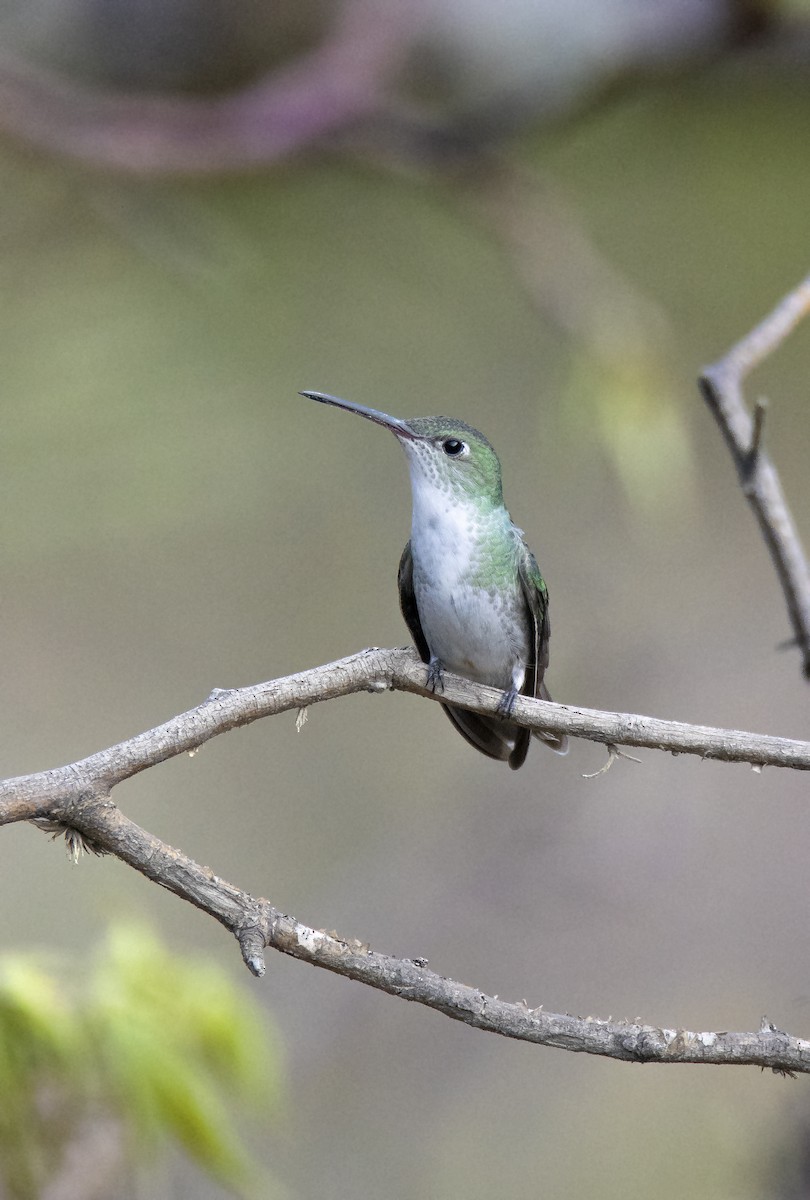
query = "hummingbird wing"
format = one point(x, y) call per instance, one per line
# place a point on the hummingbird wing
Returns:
point(487, 735)
point(407, 602)
point(535, 594)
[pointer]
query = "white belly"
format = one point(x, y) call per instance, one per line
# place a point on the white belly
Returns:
point(477, 631)
point(473, 635)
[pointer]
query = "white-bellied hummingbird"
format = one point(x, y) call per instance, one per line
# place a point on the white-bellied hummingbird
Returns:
point(470, 589)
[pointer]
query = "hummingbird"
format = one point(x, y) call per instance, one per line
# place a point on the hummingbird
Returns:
point(470, 589)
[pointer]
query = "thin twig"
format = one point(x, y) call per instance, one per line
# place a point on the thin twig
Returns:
point(721, 385)
point(614, 753)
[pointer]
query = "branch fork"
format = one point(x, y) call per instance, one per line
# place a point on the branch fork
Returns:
point(78, 795)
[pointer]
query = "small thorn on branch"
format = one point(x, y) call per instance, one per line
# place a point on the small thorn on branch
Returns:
point(614, 752)
point(760, 411)
point(251, 943)
point(752, 457)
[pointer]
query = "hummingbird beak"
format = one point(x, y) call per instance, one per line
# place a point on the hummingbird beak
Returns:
point(399, 428)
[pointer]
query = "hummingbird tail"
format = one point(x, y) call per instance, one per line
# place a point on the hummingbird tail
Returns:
point(500, 740)
point(490, 735)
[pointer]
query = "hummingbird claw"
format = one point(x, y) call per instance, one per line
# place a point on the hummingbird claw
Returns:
point(435, 672)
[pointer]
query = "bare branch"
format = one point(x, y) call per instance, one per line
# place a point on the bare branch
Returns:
point(78, 796)
point(57, 793)
point(256, 924)
point(721, 385)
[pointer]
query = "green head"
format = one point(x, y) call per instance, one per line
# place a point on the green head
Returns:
point(442, 451)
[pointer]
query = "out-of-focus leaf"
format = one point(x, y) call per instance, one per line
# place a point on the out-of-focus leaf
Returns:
point(164, 1041)
point(192, 1003)
point(41, 1018)
point(629, 401)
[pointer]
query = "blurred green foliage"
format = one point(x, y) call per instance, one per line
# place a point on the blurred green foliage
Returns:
point(162, 1044)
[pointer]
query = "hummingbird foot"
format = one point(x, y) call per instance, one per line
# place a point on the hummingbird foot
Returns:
point(507, 703)
point(435, 673)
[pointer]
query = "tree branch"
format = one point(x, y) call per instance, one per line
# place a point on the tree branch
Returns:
point(58, 793)
point(721, 385)
point(78, 796)
point(256, 924)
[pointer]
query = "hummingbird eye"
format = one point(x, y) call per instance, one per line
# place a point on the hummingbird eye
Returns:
point(453, 447)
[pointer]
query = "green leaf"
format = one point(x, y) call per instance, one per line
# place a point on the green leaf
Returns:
point(167, 1042)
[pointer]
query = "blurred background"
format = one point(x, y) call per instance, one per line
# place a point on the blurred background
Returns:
point(542, 218)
